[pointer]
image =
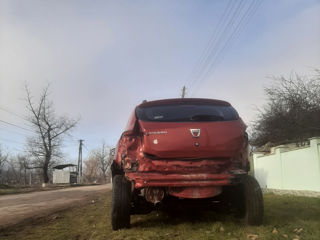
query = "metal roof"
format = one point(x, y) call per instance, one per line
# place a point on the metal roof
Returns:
point(62, 166)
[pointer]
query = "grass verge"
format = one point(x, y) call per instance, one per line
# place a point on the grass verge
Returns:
point(16, 189)
point(286, 217)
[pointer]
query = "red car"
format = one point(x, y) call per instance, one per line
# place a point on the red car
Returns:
point(183, 149)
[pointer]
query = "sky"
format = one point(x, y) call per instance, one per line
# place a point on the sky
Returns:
point(102, 58)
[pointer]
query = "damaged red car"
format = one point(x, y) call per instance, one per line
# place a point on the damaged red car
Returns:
point(183, 149)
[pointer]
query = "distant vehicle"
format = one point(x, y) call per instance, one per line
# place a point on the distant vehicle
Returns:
point(184, 148)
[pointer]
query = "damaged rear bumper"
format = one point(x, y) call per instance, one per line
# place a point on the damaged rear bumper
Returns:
point(143, 179)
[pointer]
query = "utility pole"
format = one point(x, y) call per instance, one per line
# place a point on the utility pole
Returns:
point(30, 179)
point(183, 92)
point(80, 161)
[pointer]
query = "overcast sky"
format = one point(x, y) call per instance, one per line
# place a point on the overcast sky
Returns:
point(102, 58)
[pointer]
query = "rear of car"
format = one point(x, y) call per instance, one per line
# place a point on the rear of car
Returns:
point(186, 148)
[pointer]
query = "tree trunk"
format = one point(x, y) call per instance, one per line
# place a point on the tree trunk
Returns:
point(104, 177)
point(45, 175)
point(25, 177)
point(45, 170)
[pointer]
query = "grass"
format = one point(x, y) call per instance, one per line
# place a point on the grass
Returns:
point(16, 189)
point(286, 214)
point(8, 189)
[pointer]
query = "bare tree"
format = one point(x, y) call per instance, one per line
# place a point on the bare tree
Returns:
point(16, 170)
point(102, 155)
point(21, 164)
point(45, 146)
point(98, 164)
point(91, 173)
point(3, 160)
point(292, 112)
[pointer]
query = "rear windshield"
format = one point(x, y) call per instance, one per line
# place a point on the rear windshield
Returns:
point(187, 113)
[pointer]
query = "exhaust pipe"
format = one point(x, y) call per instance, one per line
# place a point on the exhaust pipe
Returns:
point(154, 195)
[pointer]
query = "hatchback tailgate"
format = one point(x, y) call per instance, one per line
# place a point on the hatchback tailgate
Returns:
point(221, 139)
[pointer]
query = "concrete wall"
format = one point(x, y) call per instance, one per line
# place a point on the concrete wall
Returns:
point(289, 169)
point(60, 176)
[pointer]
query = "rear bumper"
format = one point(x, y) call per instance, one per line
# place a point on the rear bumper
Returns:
point(142, 180)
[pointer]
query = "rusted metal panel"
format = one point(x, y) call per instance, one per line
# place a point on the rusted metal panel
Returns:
point(195, 192)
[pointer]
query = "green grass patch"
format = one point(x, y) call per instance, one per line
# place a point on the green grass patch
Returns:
point(291, 217)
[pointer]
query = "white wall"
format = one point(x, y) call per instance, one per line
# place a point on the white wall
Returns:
point(286, 169)
point(60, 176)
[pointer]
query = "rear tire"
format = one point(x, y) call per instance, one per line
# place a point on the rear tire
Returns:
point(250, 201)
point(121, 199)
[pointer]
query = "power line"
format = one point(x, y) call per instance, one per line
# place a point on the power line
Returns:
point(13, 131)
point(244, 19)
point(237, 30)
point(9, 149)
point(15, 114)
point(10, 140)
point(86, 147)
point(221, 39)
point(228, 32)
point(67, 146)
point(12, 113)
point(12, 124)
point(221, 32)
point(210, 43)
point(70, 140)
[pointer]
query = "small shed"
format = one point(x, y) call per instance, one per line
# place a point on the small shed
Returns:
point(65, 174)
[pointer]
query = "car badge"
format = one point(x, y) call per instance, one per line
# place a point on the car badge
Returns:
point(195, 132)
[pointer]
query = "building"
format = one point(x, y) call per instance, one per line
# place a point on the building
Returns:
point(65, 174)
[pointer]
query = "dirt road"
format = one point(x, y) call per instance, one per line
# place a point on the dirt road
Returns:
point(21, 207)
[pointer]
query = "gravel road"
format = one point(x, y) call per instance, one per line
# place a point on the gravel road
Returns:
point(21, 207)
